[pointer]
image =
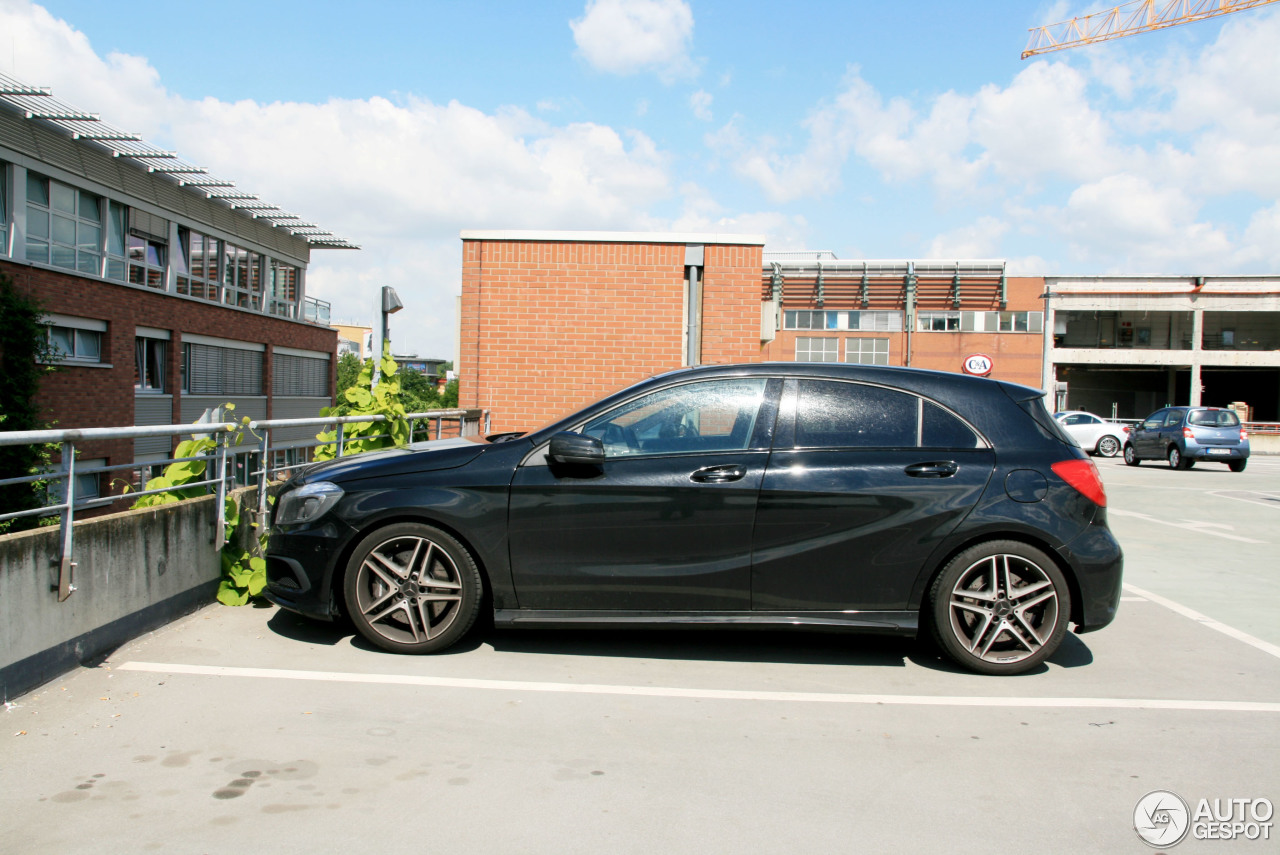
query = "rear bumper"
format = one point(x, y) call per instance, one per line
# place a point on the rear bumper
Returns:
point(1099, 569)
point(1211, 453)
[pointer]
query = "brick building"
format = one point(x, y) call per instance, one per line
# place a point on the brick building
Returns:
point(552, 320)
point(166, 291)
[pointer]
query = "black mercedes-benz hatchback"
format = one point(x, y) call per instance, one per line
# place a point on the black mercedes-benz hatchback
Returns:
point(768, 495)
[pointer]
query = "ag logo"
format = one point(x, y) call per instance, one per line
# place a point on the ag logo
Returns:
point(978, 363)
point(1161, 819)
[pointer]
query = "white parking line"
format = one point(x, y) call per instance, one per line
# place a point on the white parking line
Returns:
point(700, 694)
point(1186, 525)
point(1205, 620)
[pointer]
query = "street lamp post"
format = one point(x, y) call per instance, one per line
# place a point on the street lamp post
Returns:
point(390, 305)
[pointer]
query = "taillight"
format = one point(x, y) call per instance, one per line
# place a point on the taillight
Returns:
point(1128, 428)
point(1188, 433)
point(1244, 434)
point(1083, 476)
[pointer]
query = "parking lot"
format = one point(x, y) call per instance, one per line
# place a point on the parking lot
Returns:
point(249, 729)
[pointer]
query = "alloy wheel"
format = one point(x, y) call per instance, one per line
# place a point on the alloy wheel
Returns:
point(410, 591)
point(1004, 609)
point(1108, 446)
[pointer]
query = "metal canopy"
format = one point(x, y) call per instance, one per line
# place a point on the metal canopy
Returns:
point(38, 104)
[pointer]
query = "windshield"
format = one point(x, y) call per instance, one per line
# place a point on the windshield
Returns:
point(1213, 418)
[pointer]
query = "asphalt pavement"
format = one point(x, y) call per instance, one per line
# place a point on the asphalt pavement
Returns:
point(252, 730)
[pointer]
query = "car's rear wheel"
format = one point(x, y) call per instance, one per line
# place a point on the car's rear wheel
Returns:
point(1178, 460)
point(1000, 607)
point(1238, 465)
point(1131, 456)
point(412, 588)
point(1108, 446)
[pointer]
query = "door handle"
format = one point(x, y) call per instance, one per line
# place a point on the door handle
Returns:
point(718, 474)
point(935, 469)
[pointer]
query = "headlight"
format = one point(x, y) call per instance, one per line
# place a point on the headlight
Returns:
point(308, 503)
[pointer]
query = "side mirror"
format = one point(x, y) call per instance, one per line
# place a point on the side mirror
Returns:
point(569, 447)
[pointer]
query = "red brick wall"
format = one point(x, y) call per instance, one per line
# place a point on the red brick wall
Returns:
point(731, 304)
point(77, 397)
point(548, 326)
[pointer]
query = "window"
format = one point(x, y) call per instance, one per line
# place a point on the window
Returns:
point(198, 271)
point(940, 429)
point(64, 225)
point(283, 289)
point(796, 319)
point(832, 414)
point(212, 370)
point(817, 349)
point(71, 344)
point(88, 484)
point(938, 321)
point(849, 415)
point(718, 415)
point(148, 368)
point(146, 261)
point(867, 351)
point(299, 376)
point(4, 211)
point(1022, 322)
point(117, 220)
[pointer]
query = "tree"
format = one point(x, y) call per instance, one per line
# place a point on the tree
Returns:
point(25, 355)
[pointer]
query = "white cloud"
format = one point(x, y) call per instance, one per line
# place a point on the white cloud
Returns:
point(979, 239)
point(1125, 223)
point(400, 179)
point(700, 102)
point(630, 36)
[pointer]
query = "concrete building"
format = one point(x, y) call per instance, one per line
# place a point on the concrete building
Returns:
point(167, 291)
point(1133, 344)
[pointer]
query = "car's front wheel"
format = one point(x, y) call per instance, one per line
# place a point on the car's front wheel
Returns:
point(1000, 607)
point(1108, 446)
point(412, 588)
point(1131, 456)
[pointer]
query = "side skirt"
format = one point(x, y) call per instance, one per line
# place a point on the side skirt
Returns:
point(895, 622)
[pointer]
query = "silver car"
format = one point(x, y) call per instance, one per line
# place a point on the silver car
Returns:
point(1093, 433)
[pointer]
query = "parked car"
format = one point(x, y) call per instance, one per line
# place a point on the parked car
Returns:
point(1093, 433)
point(771, 495)
point(1184, 435)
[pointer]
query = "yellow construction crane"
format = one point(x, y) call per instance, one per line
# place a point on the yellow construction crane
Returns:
point(1139, 16)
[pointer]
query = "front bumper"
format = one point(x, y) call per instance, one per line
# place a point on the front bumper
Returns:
point(302, 564)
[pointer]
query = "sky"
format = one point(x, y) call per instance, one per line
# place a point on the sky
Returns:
point(903, 130)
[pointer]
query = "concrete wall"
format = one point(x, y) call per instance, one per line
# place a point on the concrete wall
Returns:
point(136, 571)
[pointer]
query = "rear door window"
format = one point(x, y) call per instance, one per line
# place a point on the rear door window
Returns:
point(832, 414)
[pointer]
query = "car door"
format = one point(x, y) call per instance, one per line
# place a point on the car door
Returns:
point(1146, 435)
point(665, 523)
point(863, 484)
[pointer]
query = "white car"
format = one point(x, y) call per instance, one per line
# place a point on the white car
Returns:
point(1094, 434)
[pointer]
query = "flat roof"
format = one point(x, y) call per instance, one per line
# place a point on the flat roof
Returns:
point(611, 237)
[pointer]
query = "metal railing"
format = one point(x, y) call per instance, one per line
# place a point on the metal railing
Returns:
point(469, 423)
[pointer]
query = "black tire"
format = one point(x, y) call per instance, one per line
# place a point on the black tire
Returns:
point(1178, 460)
point(980, 626)
point(388, 600)
point(1108, 446)
point(1131, 456)
point(1238, 465)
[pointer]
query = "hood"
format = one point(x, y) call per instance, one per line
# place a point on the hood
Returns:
point(418, 457)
